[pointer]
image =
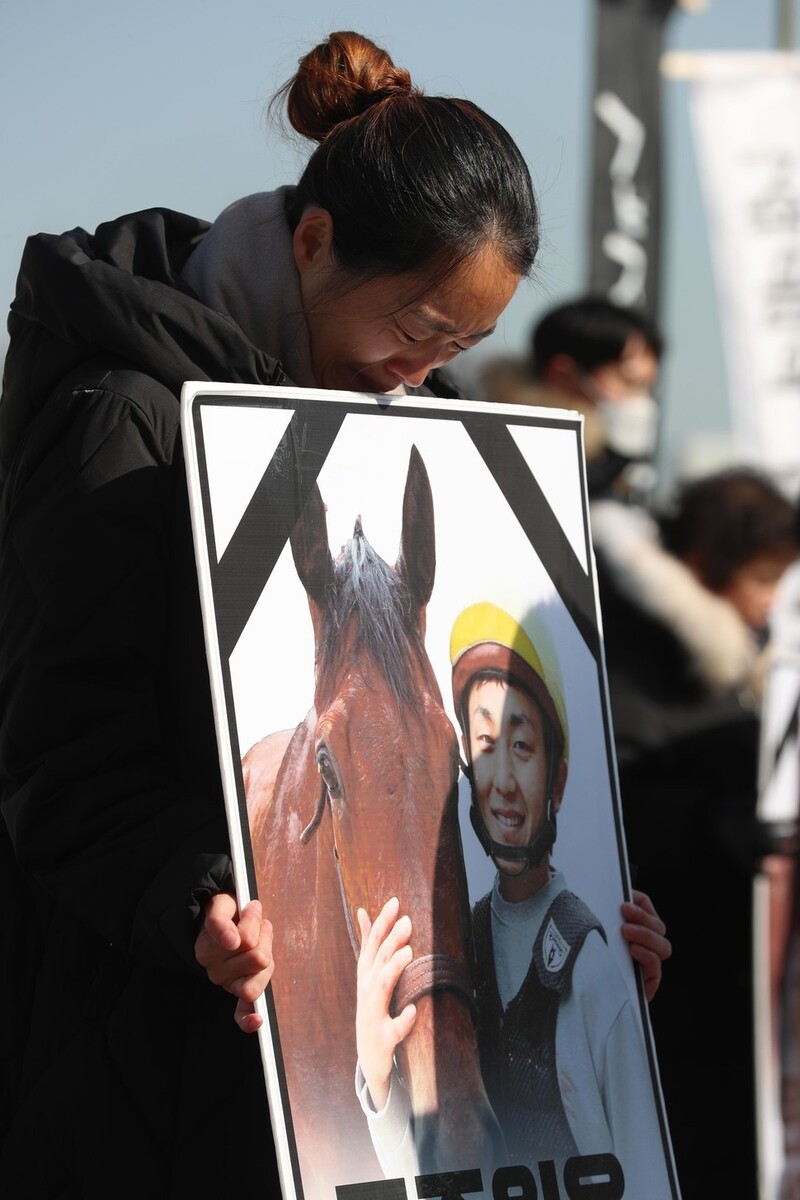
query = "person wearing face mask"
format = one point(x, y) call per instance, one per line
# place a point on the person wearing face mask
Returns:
point(603, 360)
point(686, 595)
point(126, 964)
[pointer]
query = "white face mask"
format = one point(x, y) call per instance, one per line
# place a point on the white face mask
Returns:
point(630, 425)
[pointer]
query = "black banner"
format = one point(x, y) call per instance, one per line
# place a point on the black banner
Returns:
point(625, 214)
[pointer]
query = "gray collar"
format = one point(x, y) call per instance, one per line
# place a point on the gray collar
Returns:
point(244, 267)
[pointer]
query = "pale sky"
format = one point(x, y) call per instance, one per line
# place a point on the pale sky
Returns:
point(110, 106)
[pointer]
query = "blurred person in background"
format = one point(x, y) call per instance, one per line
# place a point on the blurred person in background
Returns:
point(686, 597)
point(602, 360)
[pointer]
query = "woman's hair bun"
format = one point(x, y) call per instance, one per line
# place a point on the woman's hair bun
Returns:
point(340, 78)
point(412, 183)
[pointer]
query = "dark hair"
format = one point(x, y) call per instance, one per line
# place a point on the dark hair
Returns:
point(729, 519)
point(410, 180)
point(593, 331)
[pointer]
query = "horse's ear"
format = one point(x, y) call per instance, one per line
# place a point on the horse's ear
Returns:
point(310, 550)
point(417, 560)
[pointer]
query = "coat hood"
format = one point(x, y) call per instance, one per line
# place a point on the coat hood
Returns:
point(116, 293)
point(722, 649)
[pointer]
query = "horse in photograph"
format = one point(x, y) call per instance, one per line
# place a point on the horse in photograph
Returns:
point(363, 807)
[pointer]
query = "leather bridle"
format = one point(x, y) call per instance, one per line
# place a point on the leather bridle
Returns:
point(423, 976)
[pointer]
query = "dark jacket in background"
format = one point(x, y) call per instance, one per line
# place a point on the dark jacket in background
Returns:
point(680, 663)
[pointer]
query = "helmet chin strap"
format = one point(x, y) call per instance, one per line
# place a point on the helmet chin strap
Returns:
point(531, 855)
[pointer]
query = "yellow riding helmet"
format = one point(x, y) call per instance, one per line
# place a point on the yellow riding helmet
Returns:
point(485, 638)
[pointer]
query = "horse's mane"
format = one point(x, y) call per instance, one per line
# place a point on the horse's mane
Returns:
point(380, 600)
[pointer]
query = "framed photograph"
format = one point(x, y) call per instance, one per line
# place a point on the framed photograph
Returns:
point(405, 654)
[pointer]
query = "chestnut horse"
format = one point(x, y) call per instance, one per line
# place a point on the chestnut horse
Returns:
point(363, 807)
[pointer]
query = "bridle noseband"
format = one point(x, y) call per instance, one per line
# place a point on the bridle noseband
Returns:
point(432, 973)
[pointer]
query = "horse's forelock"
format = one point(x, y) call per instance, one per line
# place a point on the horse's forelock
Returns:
point(368, 591)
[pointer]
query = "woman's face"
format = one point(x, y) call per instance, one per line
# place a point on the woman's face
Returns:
point(751, 588)
point(386, 334)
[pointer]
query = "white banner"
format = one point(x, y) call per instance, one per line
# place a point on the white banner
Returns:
point(746, 118)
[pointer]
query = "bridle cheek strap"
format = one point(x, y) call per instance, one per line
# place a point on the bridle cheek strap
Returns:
point(425, 975)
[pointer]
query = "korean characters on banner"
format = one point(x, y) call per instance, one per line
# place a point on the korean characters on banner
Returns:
point(403, 641)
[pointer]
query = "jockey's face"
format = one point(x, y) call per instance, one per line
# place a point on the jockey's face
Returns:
point(509, 755)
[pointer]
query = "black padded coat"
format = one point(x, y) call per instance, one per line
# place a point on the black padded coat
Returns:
point(122, 1072)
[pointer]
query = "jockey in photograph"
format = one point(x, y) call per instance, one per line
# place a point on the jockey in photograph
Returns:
point(562, 1052)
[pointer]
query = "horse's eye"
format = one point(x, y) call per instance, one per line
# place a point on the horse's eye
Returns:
point(330, 776)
